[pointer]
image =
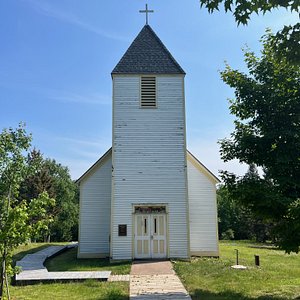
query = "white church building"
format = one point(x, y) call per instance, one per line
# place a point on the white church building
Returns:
point(148, 197)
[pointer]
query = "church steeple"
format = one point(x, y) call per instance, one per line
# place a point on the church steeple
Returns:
point(147, 55)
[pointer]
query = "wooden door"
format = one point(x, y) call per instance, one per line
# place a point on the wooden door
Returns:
point(142, 236)
point(158, 236)
point(150, 236)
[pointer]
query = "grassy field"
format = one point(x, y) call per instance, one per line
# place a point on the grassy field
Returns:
point(67, 261)
point(89, 290)
point(278, 278)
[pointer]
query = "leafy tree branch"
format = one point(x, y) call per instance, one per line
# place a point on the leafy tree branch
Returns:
point(267, 126)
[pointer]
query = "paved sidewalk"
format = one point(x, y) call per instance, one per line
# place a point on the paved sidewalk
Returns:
point(33, 269)
point(155, 280)
point(119, 278)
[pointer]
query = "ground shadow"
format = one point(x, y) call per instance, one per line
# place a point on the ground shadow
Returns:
point(199, 294)
point(68, 261)
point(152, 296)
point(265, 247)
point(20, 255)
point(113, 296)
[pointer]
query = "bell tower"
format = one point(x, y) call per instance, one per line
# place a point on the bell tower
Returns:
point(149, 178)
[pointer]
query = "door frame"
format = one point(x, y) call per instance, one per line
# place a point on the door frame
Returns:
point(134, 206)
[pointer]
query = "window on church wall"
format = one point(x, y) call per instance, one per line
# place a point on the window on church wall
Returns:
point(148, 91)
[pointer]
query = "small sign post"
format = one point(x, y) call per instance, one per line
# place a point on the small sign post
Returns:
point(237, 256)
point(237, 266)
point(257, 262)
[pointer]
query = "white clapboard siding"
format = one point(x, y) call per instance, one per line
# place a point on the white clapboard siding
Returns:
point(203, 210)
point(149, 160)
point(95, 205)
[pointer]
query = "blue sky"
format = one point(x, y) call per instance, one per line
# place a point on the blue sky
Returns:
point(56, 57)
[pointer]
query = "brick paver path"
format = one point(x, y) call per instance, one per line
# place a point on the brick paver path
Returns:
point(157, 281)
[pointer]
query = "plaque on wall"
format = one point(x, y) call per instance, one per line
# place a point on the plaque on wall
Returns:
point(122, 230)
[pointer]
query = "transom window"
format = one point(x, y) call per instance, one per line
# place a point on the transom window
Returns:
point(150, 209)
point(148, 91)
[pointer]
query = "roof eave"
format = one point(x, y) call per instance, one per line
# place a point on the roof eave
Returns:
point(105, 155)
point(145, 73)
point(212, 175)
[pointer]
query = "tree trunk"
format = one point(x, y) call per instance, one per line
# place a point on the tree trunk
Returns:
point(1, 281)
point(2, 274)
point(47, 238)
point(7, 286)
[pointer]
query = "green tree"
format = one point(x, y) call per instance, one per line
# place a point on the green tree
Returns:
point(17, 218)
point(40, 215)
point(242, 9)
point(34, 185)
point(285, 42)
point(267, 127)
point(65, 225)
point(236, 221)
point(55, 179)
point(39, 181)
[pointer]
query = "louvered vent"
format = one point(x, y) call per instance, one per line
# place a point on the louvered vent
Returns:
point(148, 92)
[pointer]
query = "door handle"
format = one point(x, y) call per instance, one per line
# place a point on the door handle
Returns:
point(151, 237)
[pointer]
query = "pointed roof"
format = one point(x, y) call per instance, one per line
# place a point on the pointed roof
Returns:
point(147, 55)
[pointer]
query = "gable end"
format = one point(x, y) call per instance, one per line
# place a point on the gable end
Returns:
point(105, 156)
point(214, 179)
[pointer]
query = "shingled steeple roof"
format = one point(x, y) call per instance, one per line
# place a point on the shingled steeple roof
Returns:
point(147, 55)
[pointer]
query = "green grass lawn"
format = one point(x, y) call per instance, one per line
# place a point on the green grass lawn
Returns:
point(87, 290)
point(278, 278)
point(67, 261)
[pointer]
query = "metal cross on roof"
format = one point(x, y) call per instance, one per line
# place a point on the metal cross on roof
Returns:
point(146, 11)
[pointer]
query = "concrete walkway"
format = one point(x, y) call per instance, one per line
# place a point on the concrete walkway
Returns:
point(119, 277)
point(155, 280)
point(33, 269)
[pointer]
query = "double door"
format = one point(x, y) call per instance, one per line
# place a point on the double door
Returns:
point(150, 236)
